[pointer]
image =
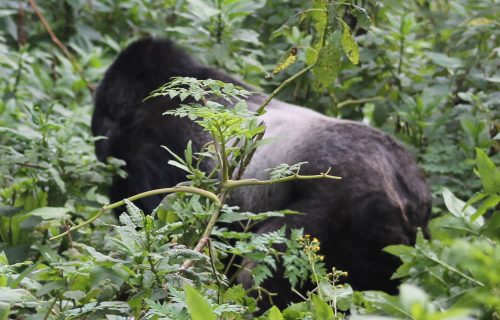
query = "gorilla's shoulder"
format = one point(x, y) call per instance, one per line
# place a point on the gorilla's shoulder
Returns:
point(150, 56)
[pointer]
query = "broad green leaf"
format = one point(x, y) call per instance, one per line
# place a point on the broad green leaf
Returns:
point(458, 208)
point(445, 61)
point(407, 24)
point(49, 213)
point(410, 295)
point(9, 295)
point(362, 17)
point(292, 21)
point(399, 250)
point(322, 311)
point(198, 307)
point(275, 314)
point(9, 211)
point(327, 66)
point(488, 172)
point(350, 46)
point(57, 179)
point(491, 202)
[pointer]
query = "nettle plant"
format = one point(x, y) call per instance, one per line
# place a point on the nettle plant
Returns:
point(179, 246)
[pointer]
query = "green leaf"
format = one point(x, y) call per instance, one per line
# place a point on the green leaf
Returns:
point(362, 17)
point(490, 202)
point(407, 24)
point(445, 61)
point(179, 165)
point(350, 46)
point(322, 310)
point(327, 66)
point(275, 314)
point(198, 307)
point(410, 295)
point(399, 250)
point(489, 174)
point(8, 295)
point(458, 208)
point(57, 179)
point(49, 213)
point(136, 215)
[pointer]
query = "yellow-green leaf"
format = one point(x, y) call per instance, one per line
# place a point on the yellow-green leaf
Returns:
point(292, 57)
point(198, 307)
point(488, 172)
point(327, 66)
point(480, 22)
point(275, 314)
point(350, 47)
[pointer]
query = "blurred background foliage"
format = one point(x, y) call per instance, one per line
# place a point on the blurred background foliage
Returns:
point(428, 74)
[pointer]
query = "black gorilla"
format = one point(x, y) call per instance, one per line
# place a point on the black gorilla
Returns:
point(382, 198)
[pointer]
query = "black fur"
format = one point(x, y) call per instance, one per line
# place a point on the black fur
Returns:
point(382, 198)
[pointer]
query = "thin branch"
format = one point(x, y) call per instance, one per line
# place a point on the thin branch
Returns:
point(61, 46)
point(193, 190)
point(21, 31)
point(401, 48)
point(357, 101)
point(231, 184)
point(208, 230)
point(282, 85)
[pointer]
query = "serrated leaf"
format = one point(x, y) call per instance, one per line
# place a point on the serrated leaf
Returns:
point(488, 172)
point(288, 61)
point(491, 202)
point(350, 46)
point(275, 314)
point(327, 66)
point(322, 311)
point(198, 307)
point(136, 215)
point(57, 179)
point(362, 17)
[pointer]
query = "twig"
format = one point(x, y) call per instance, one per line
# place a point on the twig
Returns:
point(214, 271)
point(193, 190)
point(231, 184)
point(61, 46)
point(357, 101)
point(21, 32)
point(208, 230)
point(282, 85)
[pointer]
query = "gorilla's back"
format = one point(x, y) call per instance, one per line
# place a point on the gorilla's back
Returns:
point(381, 199)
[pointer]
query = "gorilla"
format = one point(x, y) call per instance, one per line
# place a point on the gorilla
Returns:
point(381, 200)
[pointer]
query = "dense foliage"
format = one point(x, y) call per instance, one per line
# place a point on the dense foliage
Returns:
point(424, 71)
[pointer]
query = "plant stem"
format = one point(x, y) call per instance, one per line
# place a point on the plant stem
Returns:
point(231, 184)
point(357, 101)
point(450, 268)
point(51, 307)
point(61, 46)
point(193, 190)
point(281, 86)
point(208, 230)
